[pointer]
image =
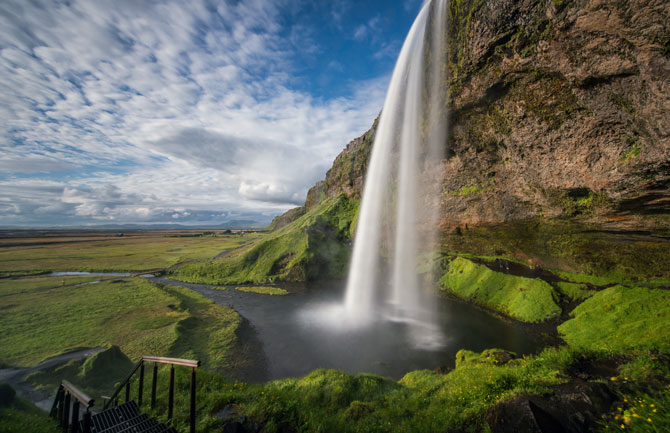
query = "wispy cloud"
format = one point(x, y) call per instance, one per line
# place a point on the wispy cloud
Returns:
point(133, 110)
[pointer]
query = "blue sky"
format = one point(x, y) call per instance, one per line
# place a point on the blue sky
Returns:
point(198, 112)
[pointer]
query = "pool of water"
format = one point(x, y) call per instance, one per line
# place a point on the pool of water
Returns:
point(294, 340)
point(89, 274)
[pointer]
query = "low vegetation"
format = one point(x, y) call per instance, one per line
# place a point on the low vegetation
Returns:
point(330, 400)
point(108, 252)
point(263, 290)
point(621, 319)
point(132, 313)
point(313, 246)
point(525, 299)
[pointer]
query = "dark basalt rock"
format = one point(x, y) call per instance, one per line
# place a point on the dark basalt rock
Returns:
point(570, 408)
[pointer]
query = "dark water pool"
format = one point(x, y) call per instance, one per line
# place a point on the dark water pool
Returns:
point(293, 343)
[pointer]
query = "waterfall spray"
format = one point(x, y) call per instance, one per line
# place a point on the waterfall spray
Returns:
point(398, 214)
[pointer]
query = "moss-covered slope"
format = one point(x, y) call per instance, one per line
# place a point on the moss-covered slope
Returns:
point(315, 245)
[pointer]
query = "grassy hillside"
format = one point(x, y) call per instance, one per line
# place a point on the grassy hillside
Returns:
point(315, 245)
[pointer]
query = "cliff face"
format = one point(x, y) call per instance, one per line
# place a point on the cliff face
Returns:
point(557, 108)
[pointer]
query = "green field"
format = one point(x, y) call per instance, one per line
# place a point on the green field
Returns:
point(105, 252)
point(46, 316)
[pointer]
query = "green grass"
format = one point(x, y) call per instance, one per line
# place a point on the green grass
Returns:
point(263, 290)
point(330, 400)
point(21, 416)
point(619, 320)
point(208, 333)
point(525, 299)
point(574, 291)
point(642, 412)
point(134, 252)
point(313, 246)
point(138, 316)
point(56, 318)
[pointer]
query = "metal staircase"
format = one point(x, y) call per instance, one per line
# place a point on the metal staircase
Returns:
point(124, 418)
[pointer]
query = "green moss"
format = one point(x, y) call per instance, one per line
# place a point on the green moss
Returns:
point(623, 103)
point(525, 299)
point(578, 201)
point(490, 356)
point(632, 152)
point(468, 190)
point(574, 291)
point(422, 401)
point(546, 96)
point(619, 320)
point(263, 290)
point(311, 247)
point(645, 368)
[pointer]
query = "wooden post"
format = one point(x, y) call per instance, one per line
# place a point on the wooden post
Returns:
point(192, 401)
point(66, 412)
point(128, 391)
point(87, 422)
point(75, 417)
point(171, 392)
point(141, 386)
point(153, 386)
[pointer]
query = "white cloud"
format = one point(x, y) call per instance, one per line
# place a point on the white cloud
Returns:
point(138, 108)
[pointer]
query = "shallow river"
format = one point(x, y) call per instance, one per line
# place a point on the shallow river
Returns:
point(294, 342)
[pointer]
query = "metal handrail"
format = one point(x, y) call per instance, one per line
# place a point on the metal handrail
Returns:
point(173, 361)
point(74, 392)
point(68, 414)
point(125, 381)
point(158, 360)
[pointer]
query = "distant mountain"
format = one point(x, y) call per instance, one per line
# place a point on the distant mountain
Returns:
point(232, 224)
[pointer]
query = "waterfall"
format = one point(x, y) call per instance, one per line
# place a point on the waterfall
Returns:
point(397, 221)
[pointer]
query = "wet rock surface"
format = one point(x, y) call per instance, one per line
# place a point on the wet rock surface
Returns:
point(574, 407)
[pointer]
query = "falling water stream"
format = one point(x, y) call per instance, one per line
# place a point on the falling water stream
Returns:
point(398, 213)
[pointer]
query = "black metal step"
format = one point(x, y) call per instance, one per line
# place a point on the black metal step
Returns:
point(125, 425)
point(113, 416)
point(126, 418)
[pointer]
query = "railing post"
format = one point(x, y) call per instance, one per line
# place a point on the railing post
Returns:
point(128, 391)
point(171, 392)
point(75, 417)
point(66, 412)
point(56, 406)
point(153, 386)
point(192, 400)
point(61, 406)
point(141, 386)
point(87, 422)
